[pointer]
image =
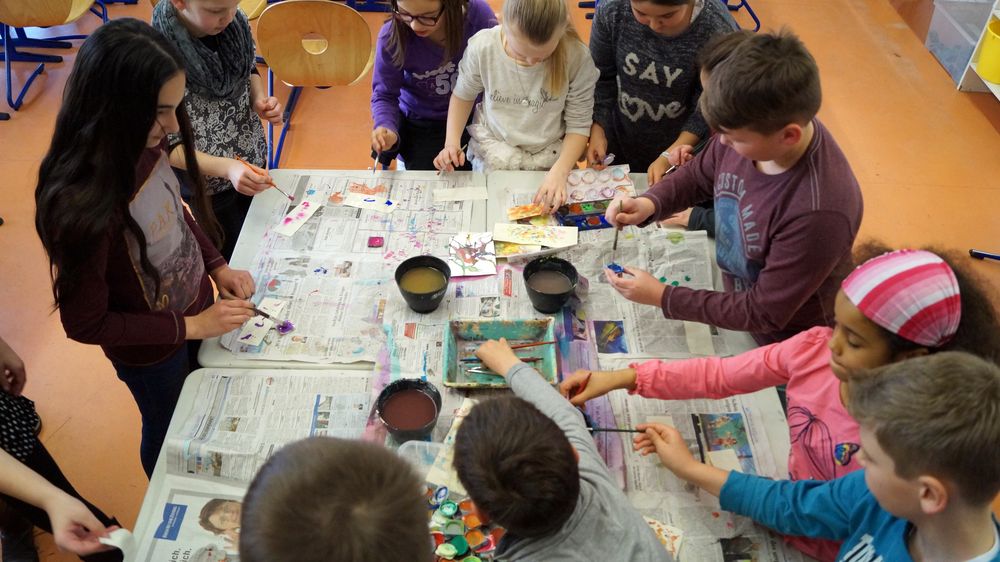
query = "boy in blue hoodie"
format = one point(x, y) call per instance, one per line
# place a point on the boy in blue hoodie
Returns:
point(930, 448)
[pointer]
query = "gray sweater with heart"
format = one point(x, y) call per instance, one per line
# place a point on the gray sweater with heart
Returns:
point(648, 88)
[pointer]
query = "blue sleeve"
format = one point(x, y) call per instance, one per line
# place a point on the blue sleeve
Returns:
point(809, 508)
point(387, 81)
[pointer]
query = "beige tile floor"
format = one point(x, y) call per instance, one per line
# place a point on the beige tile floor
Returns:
point(926, 155)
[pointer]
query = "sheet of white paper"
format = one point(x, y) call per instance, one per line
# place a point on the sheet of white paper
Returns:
point(296, 218)
point(699, 338)
point(477, 193)
point(123, 540)
point(254, 330)
point(369, 202)
point(726, 459)
point(471, 254)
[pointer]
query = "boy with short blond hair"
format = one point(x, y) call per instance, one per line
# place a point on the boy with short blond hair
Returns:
point(787, 205)
point(930, 447)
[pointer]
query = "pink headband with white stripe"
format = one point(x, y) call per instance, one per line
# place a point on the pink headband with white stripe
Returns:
point(911, 293)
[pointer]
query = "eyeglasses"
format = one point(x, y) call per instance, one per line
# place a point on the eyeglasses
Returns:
point(422, 20)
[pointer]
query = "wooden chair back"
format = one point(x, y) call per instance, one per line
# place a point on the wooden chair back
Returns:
point(41, 13)
point(315, 43)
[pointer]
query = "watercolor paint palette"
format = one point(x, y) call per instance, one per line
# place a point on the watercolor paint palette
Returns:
point(463, 337)
point(588, 215)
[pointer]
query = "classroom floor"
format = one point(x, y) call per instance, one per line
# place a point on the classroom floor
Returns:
point(926, 155)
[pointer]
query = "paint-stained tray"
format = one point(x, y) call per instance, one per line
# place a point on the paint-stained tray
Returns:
point(462, 337)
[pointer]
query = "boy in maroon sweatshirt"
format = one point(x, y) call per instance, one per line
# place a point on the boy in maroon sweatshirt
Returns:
point(787, 203)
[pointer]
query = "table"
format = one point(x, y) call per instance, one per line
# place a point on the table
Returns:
point(212, 353)
point(485, 213)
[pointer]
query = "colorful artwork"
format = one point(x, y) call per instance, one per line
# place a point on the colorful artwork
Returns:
point(505, 249)
point(364, 189)
point(298, 217)
point(551, 236)
point(472, 253)
point(525, 211)
point(670, 537)
point(726, 431)
point(254, 329)
point(610, 336)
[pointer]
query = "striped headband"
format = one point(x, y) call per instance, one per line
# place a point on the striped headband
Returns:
point(911, 293)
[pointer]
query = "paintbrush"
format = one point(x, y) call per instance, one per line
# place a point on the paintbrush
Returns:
point(697, 148)
point(464, 146)
point(613, 430)
point(614, 246)
point(375, 162)
point(283, 326)
point(478, 360)
point(260, 312)
point(263, 172)
point(524, 345)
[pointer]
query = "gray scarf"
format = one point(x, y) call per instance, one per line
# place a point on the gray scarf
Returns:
point(221, 74)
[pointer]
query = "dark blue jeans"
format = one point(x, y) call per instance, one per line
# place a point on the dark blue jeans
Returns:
point(156, 389)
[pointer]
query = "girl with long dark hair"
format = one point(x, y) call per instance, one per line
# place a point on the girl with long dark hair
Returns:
point(130, 264)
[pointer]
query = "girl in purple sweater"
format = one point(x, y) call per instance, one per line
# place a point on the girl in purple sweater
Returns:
point(416, 66)
point(897, 305)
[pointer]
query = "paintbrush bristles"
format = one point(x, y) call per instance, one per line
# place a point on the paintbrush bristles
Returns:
point(613, 430)
point(614, 247)
point(524, 345)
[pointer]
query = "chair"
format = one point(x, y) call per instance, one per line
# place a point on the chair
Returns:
point(311, 43)
point(745, 4)
point(16, 14)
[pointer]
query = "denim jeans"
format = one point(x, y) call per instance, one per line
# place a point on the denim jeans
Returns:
point(156, 389)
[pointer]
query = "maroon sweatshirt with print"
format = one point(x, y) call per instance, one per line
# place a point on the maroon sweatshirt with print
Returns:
point(114, 306)
point(783, 241)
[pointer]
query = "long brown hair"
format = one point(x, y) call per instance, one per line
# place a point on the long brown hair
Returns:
point(87, 178)
point(453, 12)
point(538, 21)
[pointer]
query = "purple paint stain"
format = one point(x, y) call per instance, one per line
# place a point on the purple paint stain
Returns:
point(246, 337)
point(368, 200)
point(284, 327)
point(322, 270)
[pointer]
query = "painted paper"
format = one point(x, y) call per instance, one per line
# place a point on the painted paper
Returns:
point(525, 211)
point(254, 329)
point(472, 253)
point(377, 203)
point(296, 218)
point(505, 249)
point(552, 236)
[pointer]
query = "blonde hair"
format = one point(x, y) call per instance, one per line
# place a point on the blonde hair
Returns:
point(538, 21)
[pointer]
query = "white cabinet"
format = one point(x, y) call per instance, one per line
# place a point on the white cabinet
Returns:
point(971, 81)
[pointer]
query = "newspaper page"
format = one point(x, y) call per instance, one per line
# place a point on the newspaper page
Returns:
point(336, 271)
point(238, 419)
point(728, 433)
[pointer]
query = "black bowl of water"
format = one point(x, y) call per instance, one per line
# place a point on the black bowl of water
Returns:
point(550, 283)
point(423, 281)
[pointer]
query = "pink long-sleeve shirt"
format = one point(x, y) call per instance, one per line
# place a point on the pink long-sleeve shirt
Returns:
point(824, 437)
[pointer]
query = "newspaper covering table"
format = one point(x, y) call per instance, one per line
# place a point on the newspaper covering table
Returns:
point(336, 271)
point(228, 423)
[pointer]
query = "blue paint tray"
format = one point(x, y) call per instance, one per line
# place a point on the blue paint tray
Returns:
point(462, 337)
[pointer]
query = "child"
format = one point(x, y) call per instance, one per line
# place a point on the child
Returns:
point(787, 205)
point(335, 500)
point(895, 306)
point(416, 66)
point(538, 84)
point(33, 487)
point(646, 100)
point(929, 433)
point(530, 465)
point(130, 264)
point(225, 99)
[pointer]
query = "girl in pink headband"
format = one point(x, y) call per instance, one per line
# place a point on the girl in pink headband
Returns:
point(897, 305)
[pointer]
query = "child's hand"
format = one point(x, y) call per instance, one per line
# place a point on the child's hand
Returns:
point(676, 156)
point(678, 219)
point(246, 180)
point(641, 287)
point(224, 316)
point(383, 139)
point(552, 193)
point(597, 147)
point(12, 372)
point(667, 443)
point(233, 283)
point(629, 210)
point(449, 157)
point(269, 109)
point(656, 170)
point(74, 527)
point(586, 385)
point(497, 356)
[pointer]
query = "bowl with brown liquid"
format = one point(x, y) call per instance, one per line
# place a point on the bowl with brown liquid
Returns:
point(423, 282)
point(409, 409)
point(550, 282)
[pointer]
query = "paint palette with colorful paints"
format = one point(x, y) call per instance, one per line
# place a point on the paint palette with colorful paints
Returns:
point(456, 529)
point(585, 216)
point(463, 337)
